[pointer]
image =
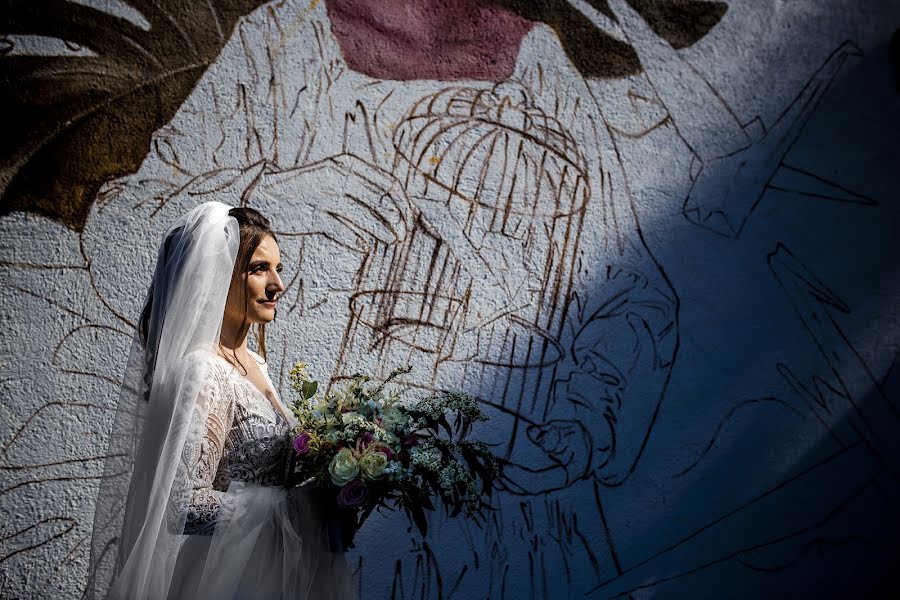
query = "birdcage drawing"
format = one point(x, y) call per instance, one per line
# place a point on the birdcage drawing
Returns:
point(499, 190)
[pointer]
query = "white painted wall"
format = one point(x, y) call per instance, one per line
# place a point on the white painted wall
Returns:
point(717, 330)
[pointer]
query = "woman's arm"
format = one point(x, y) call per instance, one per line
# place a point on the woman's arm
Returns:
point(201, 505)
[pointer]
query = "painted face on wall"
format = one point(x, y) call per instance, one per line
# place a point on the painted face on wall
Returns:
point(620, 362)
point(607, 392)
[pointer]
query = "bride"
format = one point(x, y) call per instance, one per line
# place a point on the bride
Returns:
point(192, 503)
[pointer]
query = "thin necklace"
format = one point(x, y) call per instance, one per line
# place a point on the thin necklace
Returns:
point(228, 358)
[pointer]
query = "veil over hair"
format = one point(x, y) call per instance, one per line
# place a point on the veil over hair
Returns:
point(266, 541)
point(140, 504)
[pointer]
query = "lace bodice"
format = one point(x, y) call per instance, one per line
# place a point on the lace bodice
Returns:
point(243, 438)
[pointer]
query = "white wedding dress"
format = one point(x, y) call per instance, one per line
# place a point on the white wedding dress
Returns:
point(246, 536)
point(246, 440)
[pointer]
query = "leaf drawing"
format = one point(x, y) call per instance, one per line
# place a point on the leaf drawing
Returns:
point(602, 51)
point(74, 122)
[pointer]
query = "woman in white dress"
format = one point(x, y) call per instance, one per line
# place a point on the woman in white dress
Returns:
point(384, 187)
point(193, 503)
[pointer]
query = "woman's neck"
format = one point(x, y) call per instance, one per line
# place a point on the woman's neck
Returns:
point(234, 337)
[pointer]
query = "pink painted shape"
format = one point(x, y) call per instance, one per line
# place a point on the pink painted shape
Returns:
point(427, 39)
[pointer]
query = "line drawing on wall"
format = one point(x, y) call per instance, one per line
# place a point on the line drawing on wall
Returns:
point(853, 410)
point(484, 232)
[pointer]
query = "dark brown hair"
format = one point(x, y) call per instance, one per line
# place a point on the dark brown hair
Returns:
point(254, 227)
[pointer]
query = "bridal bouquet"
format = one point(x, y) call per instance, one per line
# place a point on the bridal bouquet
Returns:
point(371, 449)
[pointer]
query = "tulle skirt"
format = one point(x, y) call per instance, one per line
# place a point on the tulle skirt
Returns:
point(274, 546)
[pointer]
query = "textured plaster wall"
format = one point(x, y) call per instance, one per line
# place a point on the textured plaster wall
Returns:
point(659, 244)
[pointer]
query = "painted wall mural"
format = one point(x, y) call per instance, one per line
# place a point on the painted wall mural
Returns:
point(655, 238)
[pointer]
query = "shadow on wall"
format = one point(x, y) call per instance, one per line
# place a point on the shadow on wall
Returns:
point(823, 522)
point(827, 522)
point(833, 509)
point(596, 431)
point(895, 57)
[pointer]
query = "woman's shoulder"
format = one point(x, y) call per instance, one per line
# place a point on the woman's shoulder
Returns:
point(200, 360)
point(205, 363)
point(210, 365)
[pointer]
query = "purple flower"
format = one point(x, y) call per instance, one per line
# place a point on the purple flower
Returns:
point(363, 441)
point(353, 494)
point(301, 443)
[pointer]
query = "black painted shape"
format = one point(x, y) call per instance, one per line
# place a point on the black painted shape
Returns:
point(895, 57)
point(853, 394)
point(72, 123)
point(595, 53)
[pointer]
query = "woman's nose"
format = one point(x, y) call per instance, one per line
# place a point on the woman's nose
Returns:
point(276, 284)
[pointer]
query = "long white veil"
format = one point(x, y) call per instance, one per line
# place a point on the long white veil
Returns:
point(136, 510)
point(139, 549)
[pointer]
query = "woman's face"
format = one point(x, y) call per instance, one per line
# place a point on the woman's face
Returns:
point(262, 283)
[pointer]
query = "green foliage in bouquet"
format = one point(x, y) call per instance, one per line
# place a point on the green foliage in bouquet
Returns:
point(377, 450)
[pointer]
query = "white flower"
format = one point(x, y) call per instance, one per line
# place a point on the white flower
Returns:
point(425, 456)
point(372, 464)
point(349, 417)
point(452, 474)
point(394, 418)
point(343, 468)
point(387, 438)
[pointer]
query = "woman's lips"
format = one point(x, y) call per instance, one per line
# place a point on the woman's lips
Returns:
point(270, 304)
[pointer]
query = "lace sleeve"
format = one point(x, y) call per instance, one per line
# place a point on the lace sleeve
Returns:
point(211, 421)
